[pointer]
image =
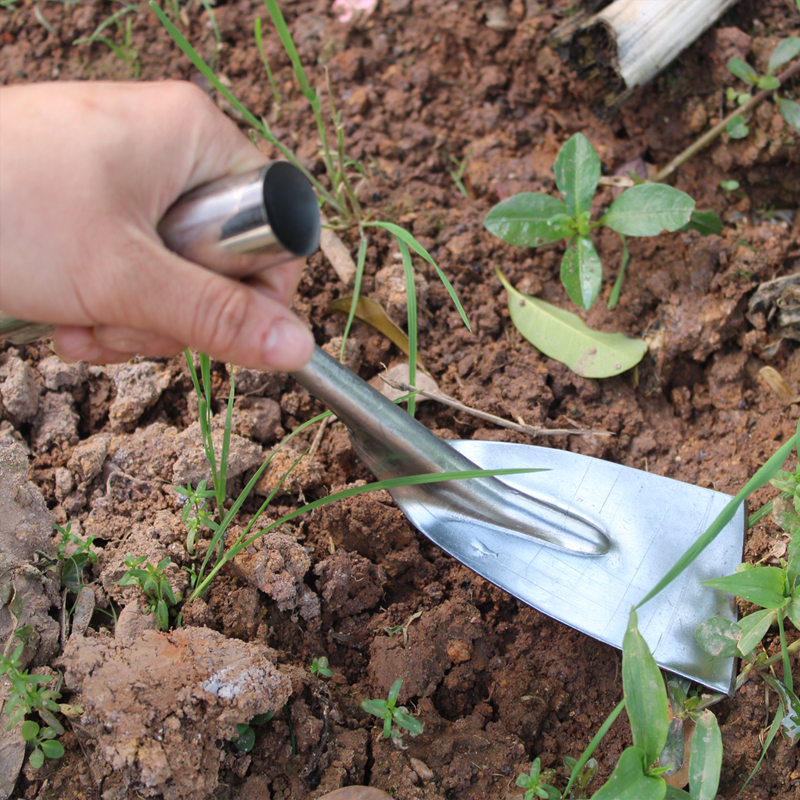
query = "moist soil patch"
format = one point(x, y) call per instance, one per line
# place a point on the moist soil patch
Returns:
point(425, 88)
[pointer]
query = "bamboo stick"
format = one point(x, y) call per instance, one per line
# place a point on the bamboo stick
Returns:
point(630, 41)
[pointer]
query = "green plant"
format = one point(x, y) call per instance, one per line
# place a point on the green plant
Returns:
point(532, 219)
point(729, 186)
point(319, 666)
point(122, 22)
point(535, 784)
point(43, 741)
point(26, 696)
point(245, 732)
point(152, 580)
point(73, 564)
point(196, 513)
point(391, 630)
point(584, 776)
point(785, 51)
point(393, 715)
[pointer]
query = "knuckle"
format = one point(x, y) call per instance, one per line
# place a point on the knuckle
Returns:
point(220, 318)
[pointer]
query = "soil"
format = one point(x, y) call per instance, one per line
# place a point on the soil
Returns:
point(424, 86)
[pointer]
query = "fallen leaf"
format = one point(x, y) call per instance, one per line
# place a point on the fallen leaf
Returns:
point(778, 384)
point(399, 374)
point(565, 337)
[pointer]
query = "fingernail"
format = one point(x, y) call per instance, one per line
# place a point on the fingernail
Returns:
point(288, 345)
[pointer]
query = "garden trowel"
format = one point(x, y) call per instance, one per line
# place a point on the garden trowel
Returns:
point(582, 539)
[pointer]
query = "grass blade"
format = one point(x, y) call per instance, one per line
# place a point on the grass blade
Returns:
point(361, 260)
point(402, 234)
point(411, 303)
point(758, 480)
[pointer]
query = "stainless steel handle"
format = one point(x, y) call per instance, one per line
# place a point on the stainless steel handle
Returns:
point(236, 226)
point(393, 444)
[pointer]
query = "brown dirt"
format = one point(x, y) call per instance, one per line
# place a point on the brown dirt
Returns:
point(495, 683)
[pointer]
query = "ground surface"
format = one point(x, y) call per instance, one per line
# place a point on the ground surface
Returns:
point(423, 86)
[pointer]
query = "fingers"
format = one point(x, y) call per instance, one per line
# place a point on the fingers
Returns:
point(110, 344)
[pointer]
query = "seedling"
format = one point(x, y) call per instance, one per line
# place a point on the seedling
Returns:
point(74, 564)
point(153, 582)
point(43, 741)
point(196, 513)
point(535, 784)
point(392, 715)
point(584, 777)
point(122, 22)
point(391, 630)
point(532, 219)
point(245, 733)
point(785, 51)
point(319, 666)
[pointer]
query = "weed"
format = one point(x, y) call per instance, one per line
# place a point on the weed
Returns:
point(584, 776)
point(43, 741)
point(535, 783)
point(74, 553)
point(533, 219)
point(785, 51)
point(152, 580)
point(245, 732)
point(729, 186)
point(392, 715)
point(391, 630)
point(122, 22)
point(319, 666)
point(196, 513)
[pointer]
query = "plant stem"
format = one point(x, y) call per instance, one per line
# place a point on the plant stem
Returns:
point(712, 133)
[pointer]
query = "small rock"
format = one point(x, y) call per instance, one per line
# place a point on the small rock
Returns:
point(277, 568)
point(158, 707)
point(258, 418)
point(133, 621)
point(422, 769)
point(88, 457)
point(350, 583)
point(138, 387)
point(20, 396)
point(57, 375)
point(64, 483)
point(192, 465)
point(56, 422)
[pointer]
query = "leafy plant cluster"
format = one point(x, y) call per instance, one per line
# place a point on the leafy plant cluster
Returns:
point(153, 581)
point(785, 51)
point(395, 718)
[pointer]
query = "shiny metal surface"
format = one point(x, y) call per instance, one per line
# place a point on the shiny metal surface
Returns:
point(236, 226)
point(582, 542)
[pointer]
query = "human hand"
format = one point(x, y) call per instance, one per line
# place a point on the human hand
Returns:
point(87, 171)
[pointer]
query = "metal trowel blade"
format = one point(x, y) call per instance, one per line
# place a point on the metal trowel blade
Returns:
point(651, 521)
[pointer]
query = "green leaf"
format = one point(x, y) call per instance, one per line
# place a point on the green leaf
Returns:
point(29, 730)
point(673, 793)
point(412, 725)
point(763, 586)
point(377, 707)
point(245, 738)
point(737, 128)
point(785, 51)
point(394, 691)
point(706, 222)
point(37, 758)
point(577, 169)
point(645, 693)
point(403, 235)
point(793, 610)
point(649, 209)
point(565, 337)
point(630, 781)
point(581, 271)
point(790, 111)
point(526, 220)
point(768, 82)
point(729, 186)
point(672, 754)
point(743, 71)
point(162, 616)
point(705, 760)
point(753, 628)
point(53, 749)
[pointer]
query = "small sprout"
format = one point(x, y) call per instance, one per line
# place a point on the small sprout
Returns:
point(319, 666)
point(580, 788)
point(75, 553)
point(153, 582)
point(535, 785)
point(729, 186)
point(392, 715)
point(245, 738)
point(391, 630)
